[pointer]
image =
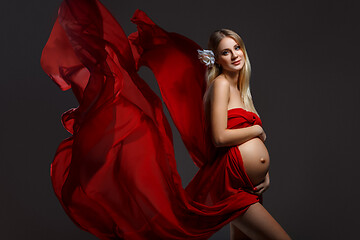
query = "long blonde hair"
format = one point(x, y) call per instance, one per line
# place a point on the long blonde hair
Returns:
point(243, 83)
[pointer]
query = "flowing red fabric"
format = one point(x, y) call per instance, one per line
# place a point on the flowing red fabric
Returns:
point(116, 175)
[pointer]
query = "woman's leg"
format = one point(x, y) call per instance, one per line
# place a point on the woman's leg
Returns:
point(236, 234)
point(258, 224)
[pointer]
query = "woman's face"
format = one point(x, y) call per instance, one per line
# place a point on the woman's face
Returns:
point(229, 55)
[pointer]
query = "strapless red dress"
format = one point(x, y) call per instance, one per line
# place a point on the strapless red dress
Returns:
point(116, 176)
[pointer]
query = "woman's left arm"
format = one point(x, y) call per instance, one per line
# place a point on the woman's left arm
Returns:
point(262, 187)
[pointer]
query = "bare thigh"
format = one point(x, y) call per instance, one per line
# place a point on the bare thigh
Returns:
point(236, 234)
point(258, 224)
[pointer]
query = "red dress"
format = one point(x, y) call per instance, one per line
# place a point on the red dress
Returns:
point(116, 175)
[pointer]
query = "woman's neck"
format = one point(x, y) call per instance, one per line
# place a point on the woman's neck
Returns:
point(232, 77)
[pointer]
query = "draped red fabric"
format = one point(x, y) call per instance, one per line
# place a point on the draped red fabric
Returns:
point(116, 175)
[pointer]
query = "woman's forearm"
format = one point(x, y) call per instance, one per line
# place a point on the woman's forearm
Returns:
point(231, 137)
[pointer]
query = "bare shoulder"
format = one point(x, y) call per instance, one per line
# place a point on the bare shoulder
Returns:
point(220, 84)
point(220, 79)
point(220, 93)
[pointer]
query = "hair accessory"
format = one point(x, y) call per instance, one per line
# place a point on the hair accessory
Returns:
point(207, 57)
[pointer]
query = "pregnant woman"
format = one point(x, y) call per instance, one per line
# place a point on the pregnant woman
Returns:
point(116, 175)
point(227, 99)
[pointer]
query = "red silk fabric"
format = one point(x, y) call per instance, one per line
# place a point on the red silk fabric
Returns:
point(116, 175)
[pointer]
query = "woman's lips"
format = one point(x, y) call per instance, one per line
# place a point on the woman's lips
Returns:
point(237, 62)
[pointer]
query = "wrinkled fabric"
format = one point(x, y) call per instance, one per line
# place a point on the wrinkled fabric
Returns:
point(116, 176)
point(225, 177)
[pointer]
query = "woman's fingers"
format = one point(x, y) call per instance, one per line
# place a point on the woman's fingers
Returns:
point(261, 190)
point(256, 188)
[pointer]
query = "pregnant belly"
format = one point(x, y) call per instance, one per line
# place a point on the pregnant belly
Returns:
point(256, 159)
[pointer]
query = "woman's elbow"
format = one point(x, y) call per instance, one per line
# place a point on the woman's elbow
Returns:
point(218, 142)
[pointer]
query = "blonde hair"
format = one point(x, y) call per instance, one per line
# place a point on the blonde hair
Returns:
point(243, 83)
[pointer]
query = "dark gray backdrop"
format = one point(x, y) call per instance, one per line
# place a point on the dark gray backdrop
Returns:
point(305, 85)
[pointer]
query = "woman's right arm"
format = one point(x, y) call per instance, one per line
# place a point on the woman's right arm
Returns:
point(219, 104)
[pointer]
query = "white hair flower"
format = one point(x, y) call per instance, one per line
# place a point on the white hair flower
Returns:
point(207, 57)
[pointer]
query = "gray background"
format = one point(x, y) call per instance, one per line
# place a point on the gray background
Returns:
point(305, 85)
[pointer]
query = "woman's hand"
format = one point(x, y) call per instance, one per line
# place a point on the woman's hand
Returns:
point(261, 134)
point(262, 187)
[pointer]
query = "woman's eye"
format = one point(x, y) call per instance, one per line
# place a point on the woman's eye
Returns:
point(225, 52)
point(237, 47)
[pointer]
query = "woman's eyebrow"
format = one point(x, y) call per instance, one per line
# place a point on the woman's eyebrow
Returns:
point(229, 48)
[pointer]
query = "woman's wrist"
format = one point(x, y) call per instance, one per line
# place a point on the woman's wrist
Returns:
point(256, 130)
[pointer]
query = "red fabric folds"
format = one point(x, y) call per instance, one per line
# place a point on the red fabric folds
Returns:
point(116, 175)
